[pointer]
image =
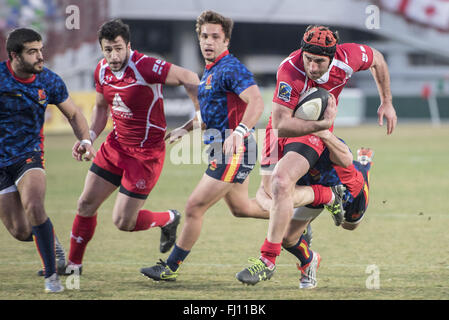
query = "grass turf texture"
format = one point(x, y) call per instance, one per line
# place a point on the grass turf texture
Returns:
point(404, 233)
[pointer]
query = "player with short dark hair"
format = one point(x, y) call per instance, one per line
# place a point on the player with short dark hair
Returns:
point(320, 62)
point(129, 86)
point(26, 88)
point(231, 105)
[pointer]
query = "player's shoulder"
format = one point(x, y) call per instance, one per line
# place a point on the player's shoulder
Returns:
point(293, 63)
point(351, 48)
point(49, 76)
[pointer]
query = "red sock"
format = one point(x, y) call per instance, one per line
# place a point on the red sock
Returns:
point(83, 229)
point(323, 194)
point(269, 251)
point(147, 219)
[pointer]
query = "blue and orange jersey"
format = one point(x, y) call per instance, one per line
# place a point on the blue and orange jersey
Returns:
point(218, 94)
point(326, 173)
point(22, 111)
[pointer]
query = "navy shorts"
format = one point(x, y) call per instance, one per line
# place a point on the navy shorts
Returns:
point(232, 169)
point(10, 175)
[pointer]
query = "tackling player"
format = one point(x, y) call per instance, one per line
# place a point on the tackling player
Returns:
point(322, 62)
point(230, 100)
point(129, 86)
point(26, 88)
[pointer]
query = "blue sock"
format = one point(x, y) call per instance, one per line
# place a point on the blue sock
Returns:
point(44, 238)
point(301, 251)
point(177, 256)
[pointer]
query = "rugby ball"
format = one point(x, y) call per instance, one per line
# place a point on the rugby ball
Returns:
point(312, 104)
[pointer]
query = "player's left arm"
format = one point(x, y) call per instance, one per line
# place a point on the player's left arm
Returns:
point(381, 75)
point(339, 152)
point(177, 76)
point(80, 127)
point(254, 109)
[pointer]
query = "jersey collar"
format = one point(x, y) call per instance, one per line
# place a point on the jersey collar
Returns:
point(209, 66)
point(21, 80)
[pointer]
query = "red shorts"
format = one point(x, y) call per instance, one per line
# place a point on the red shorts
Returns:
point(274, 148)
point(136, 170)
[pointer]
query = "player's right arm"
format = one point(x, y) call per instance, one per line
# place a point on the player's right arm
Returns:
point(339, 152)
point(99, 120)
point(289, 126)
point(100, 115)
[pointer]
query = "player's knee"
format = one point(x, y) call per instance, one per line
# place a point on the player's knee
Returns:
point(194, 209)
point(122, 223)
point(21, 234)
point(85, 207)
point(238, 212)
point(280, 185)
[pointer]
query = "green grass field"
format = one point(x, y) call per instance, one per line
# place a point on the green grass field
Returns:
point(404, 233)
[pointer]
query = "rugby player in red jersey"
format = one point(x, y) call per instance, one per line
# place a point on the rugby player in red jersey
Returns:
point(320, 62)
point(129, 86)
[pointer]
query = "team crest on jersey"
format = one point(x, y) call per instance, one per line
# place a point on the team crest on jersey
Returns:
point(213, 165)
point(141, 184)
point(42, 96)
point(314, 140)
point(285, 91)
point(120, 109)
point(208, 82)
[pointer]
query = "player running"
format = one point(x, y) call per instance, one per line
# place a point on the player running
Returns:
point(129, 85)
point(336, 183)
point(26, 88)
point(322, 62)
point(229, 101)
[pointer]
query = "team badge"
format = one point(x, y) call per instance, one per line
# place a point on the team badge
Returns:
point(208, 82)
point(285, 91)
point(213, 165)
point(141, 184)
point(42, 96)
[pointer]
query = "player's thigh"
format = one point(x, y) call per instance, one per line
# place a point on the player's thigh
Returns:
point(13, 215)
point(96, 191)
point(207, 192)
point(288, 171)
point(237, 196)
point(31, 186)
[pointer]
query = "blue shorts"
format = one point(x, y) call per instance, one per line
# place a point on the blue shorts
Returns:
point(233, 169)
point(11, 175)
point(355, 209)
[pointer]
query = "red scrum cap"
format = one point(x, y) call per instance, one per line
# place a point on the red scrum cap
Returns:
point(320, 40)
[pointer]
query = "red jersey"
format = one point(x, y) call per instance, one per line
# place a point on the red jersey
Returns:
point(134, 95)
point(292, 80)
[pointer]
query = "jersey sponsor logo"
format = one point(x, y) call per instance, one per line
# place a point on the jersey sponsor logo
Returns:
point(208, 82)
point(120, 109)
point(42, 96)
point(285, 91)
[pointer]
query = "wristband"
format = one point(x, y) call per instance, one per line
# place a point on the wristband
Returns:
point(84, 142)
point(93, 135)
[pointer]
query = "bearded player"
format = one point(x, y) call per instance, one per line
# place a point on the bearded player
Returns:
point(129, 85)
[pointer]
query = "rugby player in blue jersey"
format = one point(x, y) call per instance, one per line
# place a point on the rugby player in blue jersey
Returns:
point(230, 106)
point(26, 88)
